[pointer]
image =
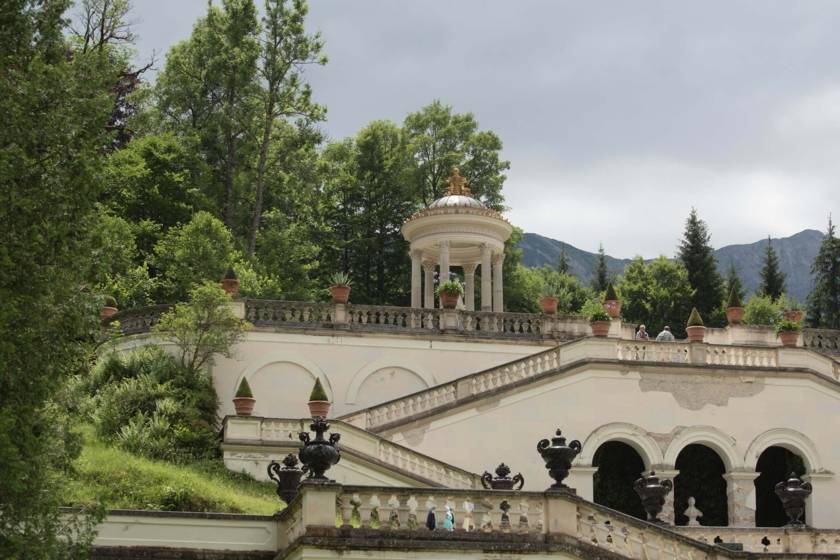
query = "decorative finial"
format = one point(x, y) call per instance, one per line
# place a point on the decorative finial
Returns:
point(457, 184)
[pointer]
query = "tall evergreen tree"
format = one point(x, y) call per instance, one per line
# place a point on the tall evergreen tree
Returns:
point(563, 266)
point(602, 277)
point(772, 279)
point(733, 282)
point(699, 260)
point(824, 301)
point(56, 100)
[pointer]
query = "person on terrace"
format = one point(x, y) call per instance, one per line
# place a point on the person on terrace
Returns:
point(666, 335)
point(642, 333)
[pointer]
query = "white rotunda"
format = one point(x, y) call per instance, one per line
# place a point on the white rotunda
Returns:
point(457, 230)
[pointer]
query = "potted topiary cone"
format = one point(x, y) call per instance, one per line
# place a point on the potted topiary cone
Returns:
point(734, 309)
point(694, 328)
point(108, 309)
point(319, 404)
point(449, 292)
point(600, 323)
point(791, 310)
point(230, 283)
point(340, 287)
point(788, 332)
point(612, 305)
point(244, 400)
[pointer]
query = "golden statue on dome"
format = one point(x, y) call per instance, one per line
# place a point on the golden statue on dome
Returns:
point(457, 184)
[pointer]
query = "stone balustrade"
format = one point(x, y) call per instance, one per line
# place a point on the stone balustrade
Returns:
point(283, 432)
point(137, 320)
point(825, 341)
point(536, 520)
point(778, 540)
point(591, 348)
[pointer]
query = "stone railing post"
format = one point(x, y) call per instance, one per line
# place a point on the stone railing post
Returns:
point(339, 314)
point(582, 479)
point(450, 320)
point(697, 353)
point(314, 506)
point(561, 515)
point(740, 497)
point(237, 306)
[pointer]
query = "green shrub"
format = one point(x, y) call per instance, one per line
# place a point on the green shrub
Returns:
point(244, 390)
point(610, 293)
point(734, 299)
point(450, 287)
point(786, 303)
point(788, 326)
point(594, 310)
point(318, 393)
point(694, 319)
point(110, 301)
point(761, 310)
point(147, 403)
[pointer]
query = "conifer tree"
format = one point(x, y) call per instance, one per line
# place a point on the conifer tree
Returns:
point(563, 262)
point(772, 279)
point(601, 278)
point(733, 282)
point(699, 260)
point(824, 301)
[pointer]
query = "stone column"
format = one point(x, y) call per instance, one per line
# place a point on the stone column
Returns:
point(740, 498)
point(820, 506)
point(469, 289)
point(443, 273)
point(416, 280)
point(486, 279)
point(429, 285)
point(667, 514)
point(498, 287)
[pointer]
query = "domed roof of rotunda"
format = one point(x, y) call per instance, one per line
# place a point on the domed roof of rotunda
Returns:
point(457, 200)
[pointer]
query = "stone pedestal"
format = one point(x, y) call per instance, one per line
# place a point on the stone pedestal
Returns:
point(449, 320)
point(740, 495)
point(582, 480)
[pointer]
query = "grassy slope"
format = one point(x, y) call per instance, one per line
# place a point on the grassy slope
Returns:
point(119, 479)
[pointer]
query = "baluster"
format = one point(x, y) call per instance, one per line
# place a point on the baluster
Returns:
point(522, 523)
point(411, 521)
point(375, 519)
point(365, 509)
point(468, 521)
point(390, 517)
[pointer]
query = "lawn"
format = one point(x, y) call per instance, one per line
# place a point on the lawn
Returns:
point(121, 480)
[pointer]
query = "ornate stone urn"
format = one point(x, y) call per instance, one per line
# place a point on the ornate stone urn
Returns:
point(319, 454)
point(503, 480)
point(287, 477)
point(652, 492)
point(793, 493)
point(558, 458)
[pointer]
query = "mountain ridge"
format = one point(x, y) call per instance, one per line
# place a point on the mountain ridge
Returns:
point(795, 252)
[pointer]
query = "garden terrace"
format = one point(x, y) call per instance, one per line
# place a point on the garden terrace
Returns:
point(276, 315)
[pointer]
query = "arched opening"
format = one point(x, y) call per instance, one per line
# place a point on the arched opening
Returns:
point(619, 465)
point(701, 476)
point(774, 465)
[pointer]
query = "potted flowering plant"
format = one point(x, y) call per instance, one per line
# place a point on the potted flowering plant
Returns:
point(319, 404)
point(108, 308)
point(244, 400)
point(694, 328)
point(600, 323)
point(734, 308)
point(788, 332)
point(230, 283)
point(791, 309)
point(612, 305)
point(548, 298)
point(340, 287)
point(449, 292)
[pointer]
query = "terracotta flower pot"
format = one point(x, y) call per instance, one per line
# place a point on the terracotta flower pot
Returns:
point(449, 300)
point(107, 312)
point(319, 408)
point(794, 315)
point(695, 334)
point(612, 307)
point(734, 315)
point(789, 338)
point(600, 328)
point(231, 286)
point(244, 405)
point(548, 305)
point(340, 294)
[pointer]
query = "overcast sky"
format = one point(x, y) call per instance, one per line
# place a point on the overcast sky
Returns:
point(617, 117)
